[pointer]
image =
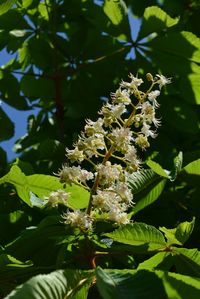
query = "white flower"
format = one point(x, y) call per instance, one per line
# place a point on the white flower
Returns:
point(152, 96)
point(78, 219)
point(132, 159)
point(121, 137)
point(121, 96)
point(58, 197)
point(135, 82)
point(162, 80)
point(147, 132)
point(74, 174)
point(75, 155)
point(94, 128)
point(109, 173)
point(142, 141)
point(124, 192)
point(148, 114)
point(119, 217)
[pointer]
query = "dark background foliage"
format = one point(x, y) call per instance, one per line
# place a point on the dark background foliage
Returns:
point(67, 58)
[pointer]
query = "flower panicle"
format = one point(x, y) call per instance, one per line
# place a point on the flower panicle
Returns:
point(111, 145)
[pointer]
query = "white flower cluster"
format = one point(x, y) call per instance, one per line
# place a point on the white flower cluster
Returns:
point(110, 145)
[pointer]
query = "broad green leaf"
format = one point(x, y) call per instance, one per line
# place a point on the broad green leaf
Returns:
point(42, 185)
point(182, 44)
point(187, 261)
point(180, 234)
point(79, 198)
point(193, 167)
point(5, 5)
point(59, 284)
point(160, 261)
point(17, 178)
point(158, 169)
point(148, 199)
point(135, 285)
point(139, 234)
point(179, 286)
point(115, 10)
point(139, 180)
point(155, 20)
point(7, 125)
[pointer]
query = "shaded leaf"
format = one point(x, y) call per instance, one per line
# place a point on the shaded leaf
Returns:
point(17, 178)
point(158, 169)
point(151, 196)
point(136, 285)
point(56, 285)
point(187, 261)
point(7, 125)
point(155, 20)
point(141, 179)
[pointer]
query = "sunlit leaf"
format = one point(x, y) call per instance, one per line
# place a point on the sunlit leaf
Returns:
point(138, 234)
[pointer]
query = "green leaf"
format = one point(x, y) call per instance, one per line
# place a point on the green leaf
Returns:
point(42, 185)
point(155, 20)
point(187, 261)
point(17, 178)
point(7, 125)
point(179, 286)
point(180, 234)
point(139, 234)
point(56, 285)
point(148, 199)
point(158, 169)
point(79, 198)
point(115, 10)
point(5, 5)
point(193, 167)
point(135, 285)
point(183, 44)
point(139, 180)
point(161, 261)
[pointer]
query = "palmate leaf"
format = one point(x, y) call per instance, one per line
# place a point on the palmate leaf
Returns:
point(59, 284)
point(183, 44)
point(155, 20)
point(139, 234)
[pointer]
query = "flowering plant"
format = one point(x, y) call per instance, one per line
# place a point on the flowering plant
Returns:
point(110, 145)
